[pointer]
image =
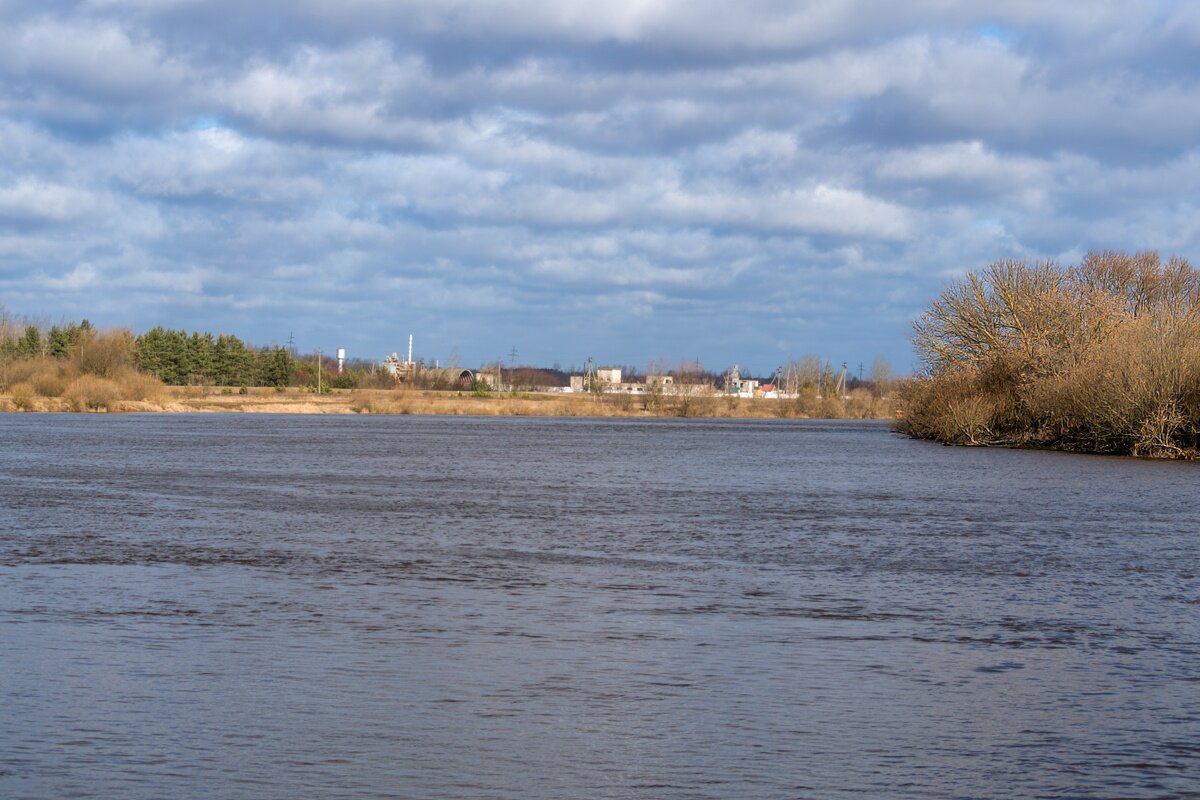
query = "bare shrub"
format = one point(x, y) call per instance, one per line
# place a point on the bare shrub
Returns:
point(21, 371)
point(622, 402)
point(134, 385)
point(22, 395)
point(695, 406)
point(861, 405)
point(947, 408)
point(92, 393)
point(50, 381)
point(1104, 357)
point(830, 407)
point(104, 353)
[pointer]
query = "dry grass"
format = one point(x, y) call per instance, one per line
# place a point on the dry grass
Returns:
point(430, 402)
point(91, 393)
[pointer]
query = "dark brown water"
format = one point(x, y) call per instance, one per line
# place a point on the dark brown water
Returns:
point(261, 606)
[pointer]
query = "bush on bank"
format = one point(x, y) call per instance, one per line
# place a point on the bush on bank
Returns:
point(1100, 357)
point(96, 372)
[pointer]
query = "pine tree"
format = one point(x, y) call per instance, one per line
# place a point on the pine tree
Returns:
point(201, 358)
point(30, 344)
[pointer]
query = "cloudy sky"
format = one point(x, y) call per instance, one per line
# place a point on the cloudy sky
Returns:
point(627, 179)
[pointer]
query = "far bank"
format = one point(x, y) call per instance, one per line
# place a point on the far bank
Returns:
point(857, 405)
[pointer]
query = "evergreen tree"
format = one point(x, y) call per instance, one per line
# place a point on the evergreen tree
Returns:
point(30, 344)
point(201, 358)
point(275, 367)
point(233, 362)
point(59, 341)
point(165, 354)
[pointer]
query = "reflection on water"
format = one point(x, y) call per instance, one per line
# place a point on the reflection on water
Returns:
point(228, 606)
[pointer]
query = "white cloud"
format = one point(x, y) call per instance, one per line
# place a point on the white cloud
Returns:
point(100, 60)
point(367, 159)
point(36, 201)
point(82, 276)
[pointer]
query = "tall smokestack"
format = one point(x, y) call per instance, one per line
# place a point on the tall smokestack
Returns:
point(410, 348)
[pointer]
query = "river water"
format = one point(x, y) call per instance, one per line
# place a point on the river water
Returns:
point(281, 606)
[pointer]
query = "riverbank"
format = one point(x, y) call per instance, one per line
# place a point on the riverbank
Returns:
point(860, 405)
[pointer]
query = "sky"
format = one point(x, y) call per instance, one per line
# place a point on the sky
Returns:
point(736, 182)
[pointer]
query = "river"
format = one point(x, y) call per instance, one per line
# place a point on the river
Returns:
point(221, 606)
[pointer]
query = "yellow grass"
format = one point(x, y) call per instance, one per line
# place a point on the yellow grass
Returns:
point(381, 401)
point(90, 393)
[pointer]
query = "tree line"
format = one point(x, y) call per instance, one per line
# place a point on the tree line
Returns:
point(26, 340)
point(175, 357)
point(178, 358)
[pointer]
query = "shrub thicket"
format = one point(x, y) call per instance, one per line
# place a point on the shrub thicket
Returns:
point(92, 393)
point(89, 370)
point(1100, 357)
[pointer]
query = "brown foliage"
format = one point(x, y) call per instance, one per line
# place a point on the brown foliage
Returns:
point(92, 393)
point(22, 396)
point(49, 381)
point(104, 353)
point(134, 385)
point(1102, 357)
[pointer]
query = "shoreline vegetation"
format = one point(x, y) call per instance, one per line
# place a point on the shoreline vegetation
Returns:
point(77, 368)
point(1100, 357)
point(149, 398)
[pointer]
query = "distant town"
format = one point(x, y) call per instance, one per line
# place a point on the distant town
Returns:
point(809, 374)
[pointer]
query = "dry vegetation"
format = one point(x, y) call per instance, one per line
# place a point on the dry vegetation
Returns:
point(98, 374)
point(1102, 357)
point(861, 405)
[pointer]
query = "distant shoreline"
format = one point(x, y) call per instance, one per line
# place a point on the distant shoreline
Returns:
point(440, 403)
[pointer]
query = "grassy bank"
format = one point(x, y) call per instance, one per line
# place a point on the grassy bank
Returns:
point(860, 405)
